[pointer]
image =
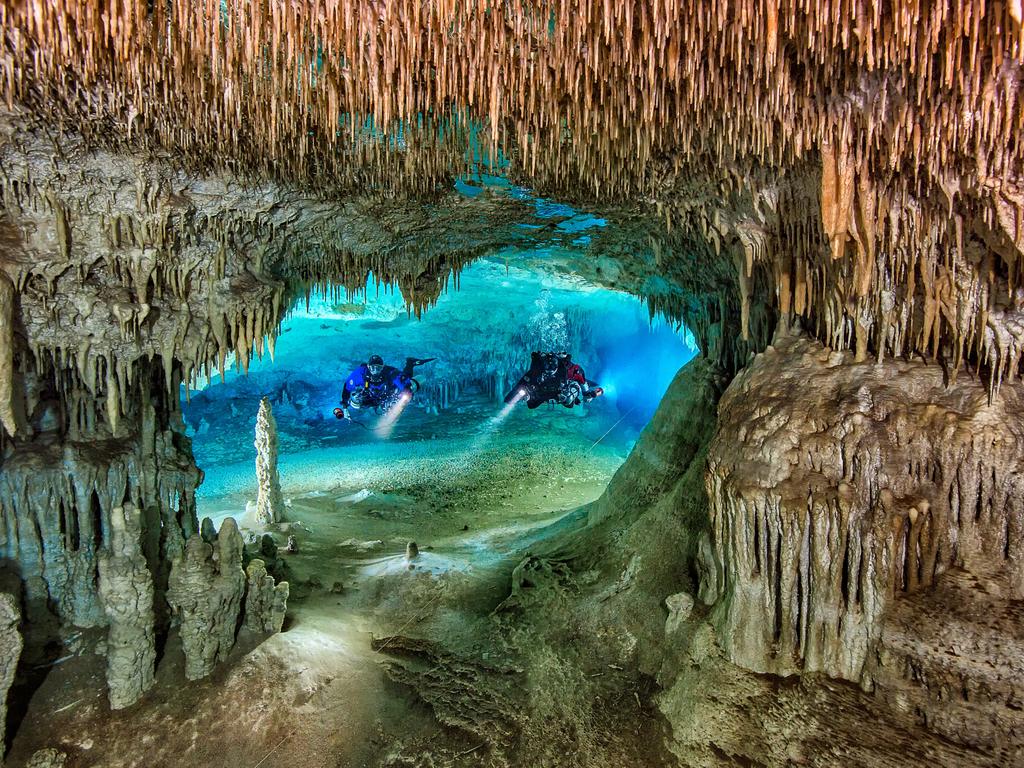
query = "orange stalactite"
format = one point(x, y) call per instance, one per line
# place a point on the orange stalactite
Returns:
point(892, 119)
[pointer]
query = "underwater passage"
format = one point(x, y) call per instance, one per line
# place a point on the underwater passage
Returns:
point(534, 384)
point(332, 386)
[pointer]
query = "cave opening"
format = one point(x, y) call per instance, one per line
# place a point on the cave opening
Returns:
point(462, 470)
point(478, 338)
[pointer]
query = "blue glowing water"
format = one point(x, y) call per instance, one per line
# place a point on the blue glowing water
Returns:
point(481, 335)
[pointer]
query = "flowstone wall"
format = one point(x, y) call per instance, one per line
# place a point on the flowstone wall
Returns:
point(862, 525)
point(839, 487)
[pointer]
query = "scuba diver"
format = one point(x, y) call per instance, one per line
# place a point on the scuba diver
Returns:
point(378, 386)
point(554, 378)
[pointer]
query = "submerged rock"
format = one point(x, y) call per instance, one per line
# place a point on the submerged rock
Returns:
point(126, 593)
point(265, 602)
point(206, 593)
point(268, 547)
point(680, 606)
point(10, 652)
point(47, 758)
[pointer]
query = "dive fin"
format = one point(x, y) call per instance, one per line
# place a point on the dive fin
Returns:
point(412, 362)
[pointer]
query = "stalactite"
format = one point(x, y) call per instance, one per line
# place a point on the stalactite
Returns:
point(887, 491)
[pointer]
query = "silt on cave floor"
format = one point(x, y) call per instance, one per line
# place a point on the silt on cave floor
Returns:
point(317, 693)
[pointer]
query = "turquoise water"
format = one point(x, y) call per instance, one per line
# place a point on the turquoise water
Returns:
point(481, 335)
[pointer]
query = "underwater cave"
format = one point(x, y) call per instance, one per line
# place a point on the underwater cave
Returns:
point(519, 385)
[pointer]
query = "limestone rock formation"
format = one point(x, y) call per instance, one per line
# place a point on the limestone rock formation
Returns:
point(47, 758)
point(265, 602)
point(10, 651)
point(853, 169)
point(839, 487)
point(269, 502)
point(937, 684)
point(58, 497)
point(680, 606)
point(126, 593)
point(206, 588)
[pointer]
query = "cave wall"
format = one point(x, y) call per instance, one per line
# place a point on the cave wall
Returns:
point(838, 487)
point(817, 560)
point(866, 527)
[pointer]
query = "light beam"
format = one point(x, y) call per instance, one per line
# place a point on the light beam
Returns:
point(387, 422)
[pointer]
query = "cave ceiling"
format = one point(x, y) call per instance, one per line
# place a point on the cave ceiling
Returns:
point(853, 166)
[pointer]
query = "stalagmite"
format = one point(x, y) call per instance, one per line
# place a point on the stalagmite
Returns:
point(265, 602)
point(10, 652)
point(126, 593)
point(269, 502)
point(206, 588)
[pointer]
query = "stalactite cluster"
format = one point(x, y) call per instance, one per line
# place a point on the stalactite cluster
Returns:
point(583, 94)
point(57, 497)
point(838, 488)
point(857, 160)
point(111, 263)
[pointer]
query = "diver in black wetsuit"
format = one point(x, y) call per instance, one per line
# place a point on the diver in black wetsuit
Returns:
point(554, 378)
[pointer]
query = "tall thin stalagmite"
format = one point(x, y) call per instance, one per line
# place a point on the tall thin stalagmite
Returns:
point(269, 502)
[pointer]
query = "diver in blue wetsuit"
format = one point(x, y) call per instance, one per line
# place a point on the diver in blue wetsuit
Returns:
point(376, 385)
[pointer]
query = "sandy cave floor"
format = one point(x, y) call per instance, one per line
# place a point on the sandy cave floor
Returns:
point(316, 694)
